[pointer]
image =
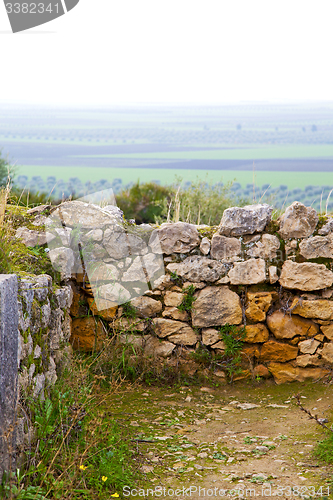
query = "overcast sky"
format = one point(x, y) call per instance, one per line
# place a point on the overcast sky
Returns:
point(175, 51)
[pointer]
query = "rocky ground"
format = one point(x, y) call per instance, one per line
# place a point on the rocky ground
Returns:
point(235, 441)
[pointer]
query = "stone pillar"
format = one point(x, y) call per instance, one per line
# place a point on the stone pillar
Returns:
point(8, 370)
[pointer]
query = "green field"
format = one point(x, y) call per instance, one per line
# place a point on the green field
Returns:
point(166, 176)
point(235, 153)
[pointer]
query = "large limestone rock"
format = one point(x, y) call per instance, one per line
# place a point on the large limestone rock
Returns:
point(298, 221)
point(285, 326)
point(179, 237)
point(246, 220)
point(196, 269)
point(83, 215)
point(321, 308)
point(316, 247)
point(250, 272)
point(99, 272)
point(285, 372)
point(258, 304)
point(216, 306)
point(225, 249)
point(266, 248)
point(307, 276)
point(327, 331)
point(308, 346)
point(256, 333)
point(110, 295)
point(327, 352)
point(277, 351)
point(119, 244)
point(87, 334)
point(176, 331)
point(146, 307)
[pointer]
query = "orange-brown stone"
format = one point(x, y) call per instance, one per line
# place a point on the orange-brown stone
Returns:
point(107, 314)
point(87, 334)
point(256, 333)
point(286, 372)
point(257, 305)
point(277, 351)
point(286, 326)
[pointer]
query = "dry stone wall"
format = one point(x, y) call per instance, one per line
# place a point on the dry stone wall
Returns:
point(272, 277)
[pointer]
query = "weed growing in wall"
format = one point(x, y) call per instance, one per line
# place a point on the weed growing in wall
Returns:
point(188, 300)
point(233, 338)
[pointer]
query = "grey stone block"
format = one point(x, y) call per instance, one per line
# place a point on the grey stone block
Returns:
point(8, 370)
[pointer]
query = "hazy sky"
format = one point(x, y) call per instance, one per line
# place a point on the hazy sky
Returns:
point(214, 51)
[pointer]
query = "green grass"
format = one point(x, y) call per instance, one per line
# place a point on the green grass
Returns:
point(167, 176)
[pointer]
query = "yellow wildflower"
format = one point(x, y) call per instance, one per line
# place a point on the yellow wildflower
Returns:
point(82, 467)
point(115, 495)
point(104, 478)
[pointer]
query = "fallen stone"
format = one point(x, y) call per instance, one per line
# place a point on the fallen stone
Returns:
point(156, 347)
point(266, 248)
point(261, 371)
point(322, 309)
point(277, 351)
point(258, 304)
point(316, 247)
point(256, 333)
point(249, 272)
point(308, 346)
point(307, 276)
point(298, 221)
point(130, 325)
point(246, 220)
point(285, 326)
point(247, 406)
point(179, 237)
point(225, 249)
point(216, 306)
point(285, 372)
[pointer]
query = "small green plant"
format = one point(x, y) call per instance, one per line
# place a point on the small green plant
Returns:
point(233, 338)
point(324, 449)
point(129, 311)
point(188, 300)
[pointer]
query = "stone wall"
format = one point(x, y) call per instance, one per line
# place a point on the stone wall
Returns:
point(273, 277)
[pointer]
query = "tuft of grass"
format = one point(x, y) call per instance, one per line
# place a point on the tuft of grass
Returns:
point(324, 449)
point(188, 300)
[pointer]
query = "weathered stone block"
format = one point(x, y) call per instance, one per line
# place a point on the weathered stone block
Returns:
point(176, 331)
point(277, 351)
point(256, 333)
point(316, 247)
point(321, 308)
point(197, 268)
point(258, 304)
point(246, 220)
point(307, 276)
point(266, 248)
point(285, 372)
point(308, 346)
point(327, 352)
point(250, 272)
point(298, 221)
point(285, 326)
point(225, 249)
point(179, 237)
point(146, 307)
point(216, 306)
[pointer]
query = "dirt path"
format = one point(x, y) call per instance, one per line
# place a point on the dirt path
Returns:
point(235, 441)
